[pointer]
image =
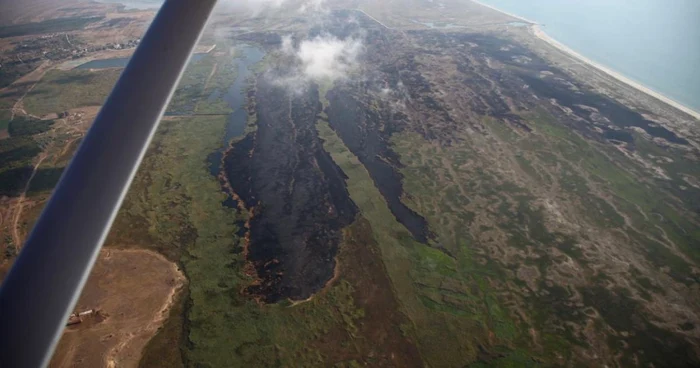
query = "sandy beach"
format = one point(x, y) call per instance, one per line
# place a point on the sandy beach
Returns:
point(545, 37)
point(504, 12)
point(539, 33)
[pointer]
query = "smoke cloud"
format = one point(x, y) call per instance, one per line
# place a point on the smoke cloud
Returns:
point(326, 57)
point(322, 59)
point(259, 6)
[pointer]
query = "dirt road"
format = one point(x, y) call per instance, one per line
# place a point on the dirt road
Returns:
point(16, 237)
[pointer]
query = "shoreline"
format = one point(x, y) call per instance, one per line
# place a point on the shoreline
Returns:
point(523, 19)
point(542, 35)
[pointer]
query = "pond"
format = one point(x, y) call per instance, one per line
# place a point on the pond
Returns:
point(120, 62)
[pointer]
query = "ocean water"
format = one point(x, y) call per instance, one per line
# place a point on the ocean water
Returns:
point(654, 42)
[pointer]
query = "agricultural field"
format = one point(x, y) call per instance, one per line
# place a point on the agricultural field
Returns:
point(47, 26)
point(60, 91)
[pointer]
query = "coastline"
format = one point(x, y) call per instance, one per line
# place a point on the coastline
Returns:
point(523, 19)
point(542, 35)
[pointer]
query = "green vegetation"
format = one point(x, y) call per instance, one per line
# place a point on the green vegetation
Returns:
point(17, 151)
point(9, 74)
point(44, 180)
point(47, 26)
point(5, 116)
point(640, 199)
point(12, 181)
point(446, 295)
point(59, 90)
point(10, 248)
point(164, 349)
point(649, 343)
point(440, 187)
point(26, 126)
point(198, 83)
point(612, 191)
point(16, 155)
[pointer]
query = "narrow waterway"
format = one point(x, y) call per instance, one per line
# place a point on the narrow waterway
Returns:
point(236, 95)
point(236, 98)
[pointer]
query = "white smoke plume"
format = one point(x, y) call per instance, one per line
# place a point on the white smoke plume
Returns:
point(322, 59)
point(256, 7)
point(312, 5)
point(326, 57)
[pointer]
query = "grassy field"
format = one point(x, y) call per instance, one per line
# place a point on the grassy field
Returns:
point(11, 74)
point(624, 190)
point(178, 205)
point(16, 155)
point(445, 295)
point(588, 184)
point(501, 278)
point(5, 116)
point(24, 126)
point(203, 78)
point(59, 91)
point(47, 26)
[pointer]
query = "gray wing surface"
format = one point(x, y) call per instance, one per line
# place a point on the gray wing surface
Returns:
point(47, 278)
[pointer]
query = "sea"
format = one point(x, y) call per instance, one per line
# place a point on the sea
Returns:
point(653, 42)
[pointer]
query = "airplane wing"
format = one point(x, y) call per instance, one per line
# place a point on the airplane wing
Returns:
point(47, 278)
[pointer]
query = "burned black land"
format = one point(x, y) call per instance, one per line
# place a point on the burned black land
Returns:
point(296, 192)
point(366, 133)
point(467, 101)
point(526, 75)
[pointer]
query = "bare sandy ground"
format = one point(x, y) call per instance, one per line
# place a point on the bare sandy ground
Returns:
point(105, 54)
point(134, 290)
point(110, 54)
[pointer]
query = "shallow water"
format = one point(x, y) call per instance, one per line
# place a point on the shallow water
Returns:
point(236, 98)
point(121, 62)
point(236, 94)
